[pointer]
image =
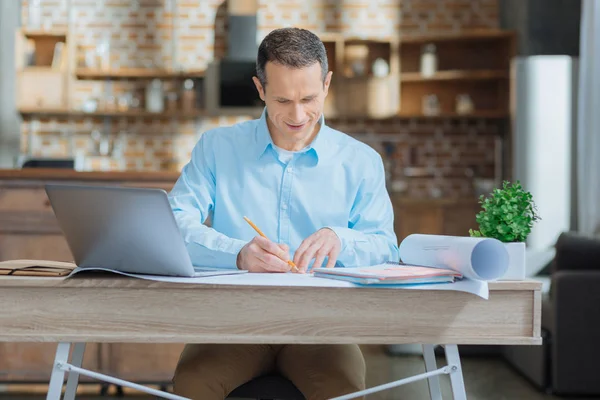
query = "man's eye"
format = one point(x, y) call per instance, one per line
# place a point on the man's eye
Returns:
point(283, 101)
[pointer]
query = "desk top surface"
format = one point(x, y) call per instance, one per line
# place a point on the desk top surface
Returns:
point(120, 309)
point(116, 282)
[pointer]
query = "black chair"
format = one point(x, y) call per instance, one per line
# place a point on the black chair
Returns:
point(267, 387)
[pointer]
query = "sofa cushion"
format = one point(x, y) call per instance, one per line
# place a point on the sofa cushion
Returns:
point(576, 252)
point(547, 312)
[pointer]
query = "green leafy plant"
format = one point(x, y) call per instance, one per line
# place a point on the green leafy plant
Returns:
point(508, 214)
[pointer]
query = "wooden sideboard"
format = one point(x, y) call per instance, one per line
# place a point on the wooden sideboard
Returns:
point(28, 230)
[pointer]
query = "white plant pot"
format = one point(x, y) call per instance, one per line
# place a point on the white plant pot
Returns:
point(516, 262)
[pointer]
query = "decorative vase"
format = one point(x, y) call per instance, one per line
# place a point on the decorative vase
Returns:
point(516, 261)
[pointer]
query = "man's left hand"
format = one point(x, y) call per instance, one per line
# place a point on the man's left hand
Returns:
point(323, 243)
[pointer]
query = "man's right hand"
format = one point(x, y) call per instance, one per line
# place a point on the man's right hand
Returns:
point(263, 255)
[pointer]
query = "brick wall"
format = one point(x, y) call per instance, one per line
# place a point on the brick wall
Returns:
point(188, 34)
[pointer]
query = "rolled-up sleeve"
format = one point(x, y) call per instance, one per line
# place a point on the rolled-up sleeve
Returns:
point(369, 238)
point(192, 200)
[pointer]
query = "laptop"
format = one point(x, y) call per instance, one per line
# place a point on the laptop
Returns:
point(129, 230)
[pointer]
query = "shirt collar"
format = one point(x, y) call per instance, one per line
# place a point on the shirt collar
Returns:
point(264, 140)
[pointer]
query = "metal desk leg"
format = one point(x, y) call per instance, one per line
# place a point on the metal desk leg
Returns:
point(456, 377)
point(58, 374)
point(62, 365)
point(435, 393)
point(73, 379)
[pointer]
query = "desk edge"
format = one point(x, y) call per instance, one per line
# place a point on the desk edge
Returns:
point(127, 282)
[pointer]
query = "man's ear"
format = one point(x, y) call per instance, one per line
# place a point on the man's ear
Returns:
point(259, 87)
point(327, 82)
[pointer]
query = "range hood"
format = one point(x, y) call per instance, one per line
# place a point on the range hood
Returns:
point(230, 89)
point(242, 44)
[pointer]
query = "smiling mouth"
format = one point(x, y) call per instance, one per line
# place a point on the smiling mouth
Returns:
point(295, 126)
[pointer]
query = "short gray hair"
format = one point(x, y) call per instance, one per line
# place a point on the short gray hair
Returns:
point(291, 47)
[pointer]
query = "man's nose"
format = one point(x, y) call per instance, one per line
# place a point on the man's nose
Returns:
point(298, 113)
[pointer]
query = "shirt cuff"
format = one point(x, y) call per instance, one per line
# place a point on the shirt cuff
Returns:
point(224, 256)
point(348, 237)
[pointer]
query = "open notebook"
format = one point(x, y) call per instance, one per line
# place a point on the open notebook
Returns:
point(48, 268)
point(389, 273)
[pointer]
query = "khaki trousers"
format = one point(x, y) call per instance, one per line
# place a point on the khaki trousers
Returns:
point(212, 371)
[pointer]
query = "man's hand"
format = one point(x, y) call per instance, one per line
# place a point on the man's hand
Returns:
point(323, 243)
point(262, 255)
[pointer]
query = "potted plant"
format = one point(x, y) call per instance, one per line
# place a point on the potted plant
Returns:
point(508, 214)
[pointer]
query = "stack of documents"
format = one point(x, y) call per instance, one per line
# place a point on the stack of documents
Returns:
point(389, 274)
point(431, 259)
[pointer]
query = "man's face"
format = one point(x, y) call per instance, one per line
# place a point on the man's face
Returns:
point(294, 98)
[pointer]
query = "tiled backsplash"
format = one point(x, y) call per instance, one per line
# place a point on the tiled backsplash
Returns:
point(188, 34)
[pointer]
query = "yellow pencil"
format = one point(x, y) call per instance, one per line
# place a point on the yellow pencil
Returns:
point(290, 262)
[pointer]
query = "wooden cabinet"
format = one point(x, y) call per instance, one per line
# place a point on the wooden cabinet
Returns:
point(475, 63)
point(439, 217)
point(459, 218)
point(415, 218)
point(32, 362)
point(28, 228)
point(34, 246)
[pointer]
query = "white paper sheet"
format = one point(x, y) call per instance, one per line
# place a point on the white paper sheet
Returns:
point(199, 273)
point(482, 259)
point(477, 288)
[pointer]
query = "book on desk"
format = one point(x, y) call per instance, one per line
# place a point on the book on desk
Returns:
point(389, 273)
point(427, 259)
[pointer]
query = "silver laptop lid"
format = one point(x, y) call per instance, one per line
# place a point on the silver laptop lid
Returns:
point(126, 229)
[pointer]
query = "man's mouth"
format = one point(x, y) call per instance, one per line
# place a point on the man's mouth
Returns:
point(295, 127)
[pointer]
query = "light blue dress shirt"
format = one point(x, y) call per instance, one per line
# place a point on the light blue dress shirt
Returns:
point(236, 171)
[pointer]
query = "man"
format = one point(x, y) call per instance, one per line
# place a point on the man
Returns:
point(318, 195)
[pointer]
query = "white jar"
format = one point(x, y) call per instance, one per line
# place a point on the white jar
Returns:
point(380, 68)
point(428, 60)
point(155, 96)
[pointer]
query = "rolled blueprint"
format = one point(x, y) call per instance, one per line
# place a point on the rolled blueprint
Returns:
point(475, 258)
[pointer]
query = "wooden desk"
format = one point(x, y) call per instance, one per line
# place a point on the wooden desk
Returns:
point(122, 310)
point(29, 230)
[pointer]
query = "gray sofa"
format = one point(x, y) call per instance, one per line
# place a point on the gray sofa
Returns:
point(568, 361)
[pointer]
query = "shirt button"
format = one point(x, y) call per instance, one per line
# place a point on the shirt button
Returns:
point(290, 170)
point(284, 206)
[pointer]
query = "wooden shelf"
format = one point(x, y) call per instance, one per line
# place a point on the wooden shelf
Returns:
point(40, 68)
point(200, 113)
point(492, 114)
point(454, 76)
point(42, 33)
point(26, 112)
point(135, 73)
point(388, 40)
point(473, 35)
